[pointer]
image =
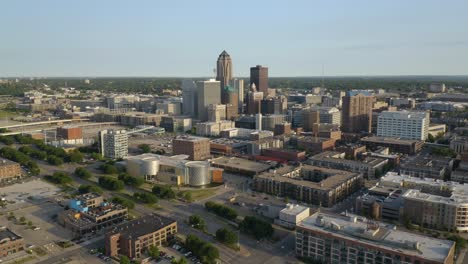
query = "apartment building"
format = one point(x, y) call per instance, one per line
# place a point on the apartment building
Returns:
point(198, 148)
point(113, 143)
point(9, 170)
point(403, 124)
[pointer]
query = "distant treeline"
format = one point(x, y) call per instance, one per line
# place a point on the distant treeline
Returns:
point(157, 85)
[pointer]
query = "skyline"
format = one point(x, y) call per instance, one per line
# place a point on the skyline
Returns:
point(179, 38)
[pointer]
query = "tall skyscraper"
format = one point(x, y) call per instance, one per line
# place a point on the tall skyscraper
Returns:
point(357, 112)
point(189, 98)
point(208, 92)
point(224, 74)
point(239, 86)
point(259, 77)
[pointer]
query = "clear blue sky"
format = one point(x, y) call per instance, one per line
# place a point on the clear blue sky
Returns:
point(184, 38)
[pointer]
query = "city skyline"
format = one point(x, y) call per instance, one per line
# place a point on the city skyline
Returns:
point(117, 38)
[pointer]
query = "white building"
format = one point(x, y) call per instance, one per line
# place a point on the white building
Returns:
point(329, 115)
point(113, 143)
point(213, 129)
point(403, 124)
point(293, 214)
point(216, 112)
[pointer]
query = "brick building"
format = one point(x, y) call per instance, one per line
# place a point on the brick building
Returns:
point(9, 170)
point(198, 148)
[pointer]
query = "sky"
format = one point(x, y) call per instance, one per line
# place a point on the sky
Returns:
point(183, 38)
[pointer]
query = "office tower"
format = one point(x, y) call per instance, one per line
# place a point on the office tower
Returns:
point(259, 77)
point(403, 124)
point(258, 121)
point(254, 102)
point(189, 97)
point(224, 74)
point(216, 112)
point(274, 105)
point(232, 112)
point(231, 95)
point(198, 148)
point(329, 115)
point(208, 92)
point(113, 143)
point(309, 118)
point(357, 112)
point(239, 86)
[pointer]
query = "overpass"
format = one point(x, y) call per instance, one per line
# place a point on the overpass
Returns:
point(61, 121)
point(39, 130)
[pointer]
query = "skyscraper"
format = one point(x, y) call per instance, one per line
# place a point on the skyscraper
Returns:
point(224, 74)
point(189, 98)
point(208, 92)
point(357, 112)
point(239, 86)
point(259, 76)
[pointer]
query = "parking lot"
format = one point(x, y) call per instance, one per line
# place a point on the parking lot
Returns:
point(156, 142)
point(17, 195)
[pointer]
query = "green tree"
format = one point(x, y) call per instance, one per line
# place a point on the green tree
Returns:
point(430, 138)
point(83, 173)
point(124, 202)
point(153, 251)
point(197, 222)
point(75, 156)
point(111, 183)
point(227, 236)
point(124, 260)
point(163, 192)
point(54, 160)
point(145, 197)
point(22, 219)
point(89, 188)
point(59, 178)
point(145, 148)
point(221, 210)
point(258, 228)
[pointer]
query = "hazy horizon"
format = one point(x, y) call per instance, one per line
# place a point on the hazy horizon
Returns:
point(182, 38)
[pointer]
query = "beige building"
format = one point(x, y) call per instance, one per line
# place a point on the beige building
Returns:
point(10, 243)
point(216, 112)
point(309, 118)
point(9, 170)
point(357, 112)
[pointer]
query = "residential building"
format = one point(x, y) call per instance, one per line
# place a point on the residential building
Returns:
point(403, 124)
point(348, 238)
point(357, 112)
point(259, 77)
point(208, 92)
point(314, 145)
point(405, 146)
point(310, 184)
point(216, 112)
point(133, 238)
point(113, 143)
point(9, 171)
point(370, 167)
point(10, 243)
point(198, 148)
point(427, 166)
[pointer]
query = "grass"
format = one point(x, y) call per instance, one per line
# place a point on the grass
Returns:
point(199, 194)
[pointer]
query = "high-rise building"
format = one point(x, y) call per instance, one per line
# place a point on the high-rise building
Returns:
point(189, 97)
point(216, 112)
point(309, 118)
point(231, 95)
point(259, 77)
point(274, 105)
point(113, 143)
point(329, 115)
point(357, 112)
point(224, 74)
point(403, 124)
point(239, 87)
point(254, 102)
point(208, 92)
point(198, 148)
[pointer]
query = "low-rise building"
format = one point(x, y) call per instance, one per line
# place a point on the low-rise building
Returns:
point(347, 238)
point(292, 215)
point(427, 166)
point(405, 146)
point(314, 145)
point(9, 171)
point(90, 213)
point(10, 242)
point(239, 165)
point(285, 154)
point(133, 238)
point(369, 166)
point(309, 184)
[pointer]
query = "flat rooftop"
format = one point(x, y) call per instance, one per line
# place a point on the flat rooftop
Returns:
point(8, 235)
point(294, 209)
point(142, 226)
point(333, 156)
point(372, 234)
point(241, 164)
point(391, 140)
point(4, 162)
point(333, 179)
point(191, 138)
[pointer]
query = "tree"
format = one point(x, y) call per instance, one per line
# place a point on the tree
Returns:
point(205, 251)
point(221, 210)
point(54, 160)
point(430, 138)
point(83, 173)
point(145, 148)
point(197, 222)
point(146, 197)
point(163, 192)
point(108, 169)
point(182, 260)
point(22, 219)
point(227, 236)
point(111, 183)
point(124, 202)
point(153, 251)
point(188, 196)
point(88, 188)
point(30, 223)
point(124, 260)
point(75, 156)
point(258, 228)
point(130, 180)
point(59, 178)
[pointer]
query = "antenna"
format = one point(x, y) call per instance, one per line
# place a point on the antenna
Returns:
point(214, 73)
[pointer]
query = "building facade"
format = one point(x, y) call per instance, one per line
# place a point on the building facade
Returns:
point(259, 77)
point(113, 143)
point(198, 148)
point(10, 243)
point(357, 112)
point(403, 124)
point(208, 92)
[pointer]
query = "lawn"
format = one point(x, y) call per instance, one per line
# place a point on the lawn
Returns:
point(200, 194)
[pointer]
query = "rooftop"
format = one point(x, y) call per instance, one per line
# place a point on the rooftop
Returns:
point(403, 114)
point(8, 235)
point(390, 140)
point(294, 209)
point(4, 162)
point(142, 226)
point(365, 231)
point(338, 157)
point(191, 138)
point(242, 164)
